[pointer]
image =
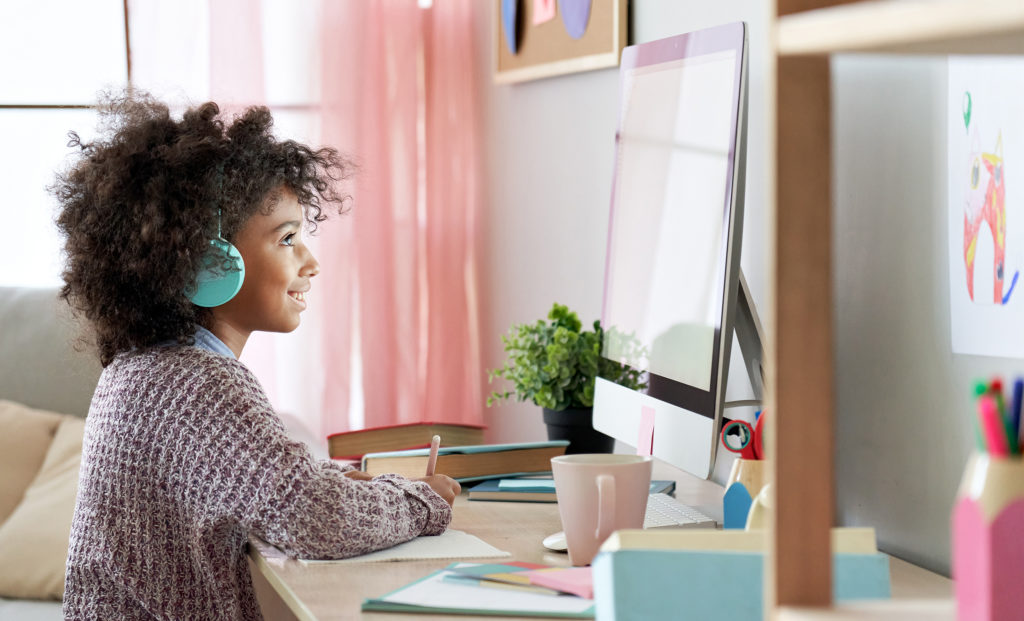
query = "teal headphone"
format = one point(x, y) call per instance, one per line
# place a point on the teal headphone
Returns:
point(221, 275)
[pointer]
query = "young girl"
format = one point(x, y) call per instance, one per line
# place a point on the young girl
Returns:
point(183, 457)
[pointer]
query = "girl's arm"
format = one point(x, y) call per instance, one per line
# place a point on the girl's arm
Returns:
point(308, 507)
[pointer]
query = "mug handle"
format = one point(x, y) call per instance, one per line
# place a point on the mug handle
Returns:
point(605, 506)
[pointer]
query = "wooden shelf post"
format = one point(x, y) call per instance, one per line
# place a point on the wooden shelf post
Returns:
point(802, 453)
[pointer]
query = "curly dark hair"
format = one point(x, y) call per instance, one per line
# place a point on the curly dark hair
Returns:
point(140, 205)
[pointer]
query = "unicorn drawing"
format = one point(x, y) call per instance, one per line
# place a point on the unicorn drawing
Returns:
point(985, 203)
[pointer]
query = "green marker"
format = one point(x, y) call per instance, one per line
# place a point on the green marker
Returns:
point(967, 109)
point(980, 388)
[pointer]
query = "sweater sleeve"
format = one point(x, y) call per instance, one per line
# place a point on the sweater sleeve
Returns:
point(306, 506)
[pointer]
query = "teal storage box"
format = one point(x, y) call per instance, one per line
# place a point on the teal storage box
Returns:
point(640, 585)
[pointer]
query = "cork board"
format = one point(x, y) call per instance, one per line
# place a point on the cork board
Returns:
point(547, 49)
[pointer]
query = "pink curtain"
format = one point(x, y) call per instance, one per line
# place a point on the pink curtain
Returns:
point(396, 326)
point(398, 92)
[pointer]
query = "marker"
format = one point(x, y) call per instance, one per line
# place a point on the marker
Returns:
point(1014, 427)
point(996, 388)
point(992, 426)
point(980, 388)
point(1010, 430)
point(435, 443)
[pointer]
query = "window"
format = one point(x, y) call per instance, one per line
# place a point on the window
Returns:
point(58, 55)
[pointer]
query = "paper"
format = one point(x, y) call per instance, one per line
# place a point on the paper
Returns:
point(451, 544)
point(575, 580)
point(645, 441)
point(543, 11)
point(437, 593)
point(985, 214)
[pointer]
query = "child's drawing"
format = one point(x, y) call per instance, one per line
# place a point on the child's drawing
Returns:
point(986, 204)
point(985, 132)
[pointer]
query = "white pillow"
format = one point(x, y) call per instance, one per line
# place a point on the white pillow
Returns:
point(26, 437)
point(34, 539)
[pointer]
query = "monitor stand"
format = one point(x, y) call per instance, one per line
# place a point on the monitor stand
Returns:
point(747, 326)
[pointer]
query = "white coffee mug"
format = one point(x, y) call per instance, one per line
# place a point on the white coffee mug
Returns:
point(597, 495)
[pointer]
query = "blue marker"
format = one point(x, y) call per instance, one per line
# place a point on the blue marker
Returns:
point(1018, 397)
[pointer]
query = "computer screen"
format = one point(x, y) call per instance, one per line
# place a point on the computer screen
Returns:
point(675, 229)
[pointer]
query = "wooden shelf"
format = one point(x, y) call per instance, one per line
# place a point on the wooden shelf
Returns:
point(906, 26)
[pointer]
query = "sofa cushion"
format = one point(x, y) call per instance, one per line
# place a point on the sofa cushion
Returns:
point(26, 437)
point(34, 539)
point(30, 610)
point(39, 363)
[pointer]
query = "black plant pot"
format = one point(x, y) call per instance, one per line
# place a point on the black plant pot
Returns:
point(576, 425)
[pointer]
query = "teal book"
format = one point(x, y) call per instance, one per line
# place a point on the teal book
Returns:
point(536, 490)
point(438, 593)
point(470, 463)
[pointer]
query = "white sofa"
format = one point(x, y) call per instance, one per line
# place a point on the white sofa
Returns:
point(40, 368)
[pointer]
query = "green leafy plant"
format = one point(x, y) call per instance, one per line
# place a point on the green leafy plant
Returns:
point(553, 363)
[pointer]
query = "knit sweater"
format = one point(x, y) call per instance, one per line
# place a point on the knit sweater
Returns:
point(183, 459)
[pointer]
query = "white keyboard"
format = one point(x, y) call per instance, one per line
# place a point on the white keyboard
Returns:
point(664, 511)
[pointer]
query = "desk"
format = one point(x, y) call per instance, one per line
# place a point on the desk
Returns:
point(288, 589)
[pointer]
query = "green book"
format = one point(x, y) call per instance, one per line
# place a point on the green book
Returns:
point(436, 594)
point(536, 490)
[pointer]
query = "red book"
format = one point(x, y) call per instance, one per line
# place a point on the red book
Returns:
point(355, 444)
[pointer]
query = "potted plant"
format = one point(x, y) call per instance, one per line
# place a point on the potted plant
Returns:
point(553, 363)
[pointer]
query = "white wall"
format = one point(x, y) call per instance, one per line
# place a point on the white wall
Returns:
point(903, 408)
point(549, 150)
point(904, 402)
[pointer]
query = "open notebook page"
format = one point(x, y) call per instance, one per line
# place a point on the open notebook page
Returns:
point(452, 544)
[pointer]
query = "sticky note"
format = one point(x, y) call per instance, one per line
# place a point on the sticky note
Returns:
point(645, 441)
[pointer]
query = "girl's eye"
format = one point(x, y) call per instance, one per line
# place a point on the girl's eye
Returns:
point(289, 239)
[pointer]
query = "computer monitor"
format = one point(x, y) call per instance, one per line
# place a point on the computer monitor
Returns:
point(672, 278)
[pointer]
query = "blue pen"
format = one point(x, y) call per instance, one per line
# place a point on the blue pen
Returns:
point(1018, 397)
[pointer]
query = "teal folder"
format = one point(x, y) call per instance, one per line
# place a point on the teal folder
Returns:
point(637, 585)
point(432, 594)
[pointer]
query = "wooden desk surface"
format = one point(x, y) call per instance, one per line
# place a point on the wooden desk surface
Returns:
point(288, 589)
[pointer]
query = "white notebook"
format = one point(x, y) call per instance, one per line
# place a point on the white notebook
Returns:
point(452, 544)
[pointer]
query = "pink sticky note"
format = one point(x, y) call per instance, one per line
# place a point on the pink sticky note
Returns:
point(645, 442)
point(575, 580)
point(543, 10)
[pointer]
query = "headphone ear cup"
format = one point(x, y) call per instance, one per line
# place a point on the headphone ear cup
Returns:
point(220, 277)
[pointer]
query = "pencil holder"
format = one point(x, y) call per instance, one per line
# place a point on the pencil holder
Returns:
point(746, 479)
point(988, 545)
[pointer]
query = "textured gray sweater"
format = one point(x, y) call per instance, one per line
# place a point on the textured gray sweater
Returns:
point(183, 459)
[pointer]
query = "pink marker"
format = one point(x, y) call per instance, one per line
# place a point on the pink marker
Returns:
point(435, 443)
point(992, 426)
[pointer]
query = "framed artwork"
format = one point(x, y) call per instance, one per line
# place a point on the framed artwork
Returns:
point(542, 38)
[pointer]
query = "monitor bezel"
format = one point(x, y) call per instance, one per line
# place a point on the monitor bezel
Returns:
point(728, 37)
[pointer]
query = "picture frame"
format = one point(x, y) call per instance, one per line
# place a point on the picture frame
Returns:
point(548, 48)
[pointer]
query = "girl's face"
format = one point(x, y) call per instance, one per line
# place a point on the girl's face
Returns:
point(278, 269)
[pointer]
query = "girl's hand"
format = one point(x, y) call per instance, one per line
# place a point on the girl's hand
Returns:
point(445, 486)
point(358, 475)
